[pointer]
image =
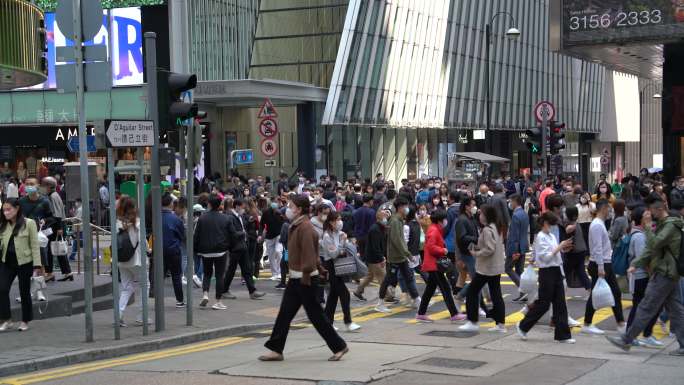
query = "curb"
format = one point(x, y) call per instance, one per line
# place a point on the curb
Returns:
point(102, 353)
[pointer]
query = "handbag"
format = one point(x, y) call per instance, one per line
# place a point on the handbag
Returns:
point(444, 265)
point(59, 247)
point(346, 265)
point(42, 239)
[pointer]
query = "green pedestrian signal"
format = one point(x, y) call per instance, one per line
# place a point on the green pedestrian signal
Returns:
point(534, 140)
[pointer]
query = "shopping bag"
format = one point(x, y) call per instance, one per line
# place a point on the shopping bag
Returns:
point(601, 296)
point(59, 247)
point(42, 239)
point(528, 280)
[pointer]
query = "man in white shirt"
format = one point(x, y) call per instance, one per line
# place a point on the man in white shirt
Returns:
point(600, 266)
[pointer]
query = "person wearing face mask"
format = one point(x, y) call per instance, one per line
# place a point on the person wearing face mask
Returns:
point(364, 218)
point(49, 189)
point(302, 287)
point(570, 195)
point(211, 241)
point(603, 192)
point(19, 257)
point(35, 206)
point(333, 245)
point(466, 235)
point(532, 207)
point(398, 256)
point(434, 250)
point(270, 226)
point(517, 243)
point(677, 193)
point(238, 252)
point(374, 253)
point(585, 213)
point(483, 197)
point(660, 258)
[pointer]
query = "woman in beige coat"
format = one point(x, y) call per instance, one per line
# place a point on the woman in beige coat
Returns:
point(489, 265)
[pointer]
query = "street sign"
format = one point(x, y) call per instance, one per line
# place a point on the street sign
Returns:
point(91, 18)
point(270, 163)
point(544, 110)
point(269, 147)
point(74, 147)
point(268, 128)
point(242, 157)
point(267, 110)
point(129, 133)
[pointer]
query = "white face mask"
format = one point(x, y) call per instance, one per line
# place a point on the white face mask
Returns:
point(323, 218)
point(473, 210)
point(338, 225)
point(445, 223)
point(406, 210)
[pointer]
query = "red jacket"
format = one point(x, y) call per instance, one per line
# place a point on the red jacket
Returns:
point(434, 248)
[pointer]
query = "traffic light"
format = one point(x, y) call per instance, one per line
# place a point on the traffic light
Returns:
point(534, 140)
point(556, 136)
point(173, 110)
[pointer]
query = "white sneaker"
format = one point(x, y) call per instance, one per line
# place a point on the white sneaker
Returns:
point(521, 334)
point(336, 328)
point(352, 327)
point(6, 326)
point(275, 277)
point(524, 310)
point(139, 321)
point(41, 296)
point(482, 313)
point(184, 280)
point(573, 323)
point(381, 308)
point(205, 300)
point(622, 330)
point(499, 328)
point(219, 306)
point(651, 342)
point(591, 329)
point(416, 303)
point(469, 327)
point(197, 281)
point(568, 341)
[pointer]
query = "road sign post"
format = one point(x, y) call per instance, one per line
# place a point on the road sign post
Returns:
point(543, 112)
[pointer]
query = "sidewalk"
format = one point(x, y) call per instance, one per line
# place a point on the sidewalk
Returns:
point(61, 341)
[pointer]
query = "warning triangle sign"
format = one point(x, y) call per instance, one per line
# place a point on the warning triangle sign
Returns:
point(267, 110)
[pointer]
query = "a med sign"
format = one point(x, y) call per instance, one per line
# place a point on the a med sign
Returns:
point(125, 53)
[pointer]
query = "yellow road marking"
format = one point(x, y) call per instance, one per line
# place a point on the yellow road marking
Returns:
point(133, 359)
point(605, 313)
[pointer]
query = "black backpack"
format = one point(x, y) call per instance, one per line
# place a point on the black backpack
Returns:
point(124, 246)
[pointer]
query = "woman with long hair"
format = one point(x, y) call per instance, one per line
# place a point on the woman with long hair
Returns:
point(20, 258)
point(127, 221)
point(603, 192)
point(333, 246)
point(435, 249)
point(489, 265)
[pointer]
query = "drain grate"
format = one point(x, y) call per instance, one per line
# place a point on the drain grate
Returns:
point(450, 333)
point(451, 363)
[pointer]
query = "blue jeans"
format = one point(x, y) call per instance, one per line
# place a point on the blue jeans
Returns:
point(469, 261)
point(199, 266)
point(403, 284)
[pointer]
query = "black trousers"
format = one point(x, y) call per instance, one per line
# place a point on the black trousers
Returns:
point(297, 295)
point(255, 250)
point(338, 290)
point(498, 312)
point(64, 266)
point(437, 279)
point(284, 269)
point(391, 278)
point(214, 266)
point(614, 288)
point(551, 292)
point(7, 275)
point(239, 258)
point(172, 265)
point(361, 247)
point(640, 286)
point(451, 275)
point(574, 263)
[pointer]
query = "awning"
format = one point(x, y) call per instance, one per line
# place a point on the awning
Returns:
point(482, 157)
point(251, 92)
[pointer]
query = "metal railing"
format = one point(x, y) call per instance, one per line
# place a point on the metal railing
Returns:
point(97, 232)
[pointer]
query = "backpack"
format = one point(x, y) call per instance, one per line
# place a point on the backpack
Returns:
point(124, 246)
point(620, 257)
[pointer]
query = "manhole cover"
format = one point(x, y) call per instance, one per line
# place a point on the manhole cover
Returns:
point(450, 333)
point(451, 363)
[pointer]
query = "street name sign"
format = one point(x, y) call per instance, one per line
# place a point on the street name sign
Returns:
point(129, 133)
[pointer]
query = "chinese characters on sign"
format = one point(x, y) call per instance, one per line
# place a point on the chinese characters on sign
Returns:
point(129, 133)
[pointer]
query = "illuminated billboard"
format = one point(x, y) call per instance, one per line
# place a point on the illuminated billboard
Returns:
point(125, 52)
point(591, 22)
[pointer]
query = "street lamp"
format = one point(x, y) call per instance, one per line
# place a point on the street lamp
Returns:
point(512, 33)
point(642, 102)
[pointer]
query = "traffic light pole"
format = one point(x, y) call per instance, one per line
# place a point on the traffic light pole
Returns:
point(155, 191)
point(544, 142)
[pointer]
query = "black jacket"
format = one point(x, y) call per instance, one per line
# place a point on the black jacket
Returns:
point(212, 233)
point(238, 236)
point(272, 220)
point(466, 233)
point(250, 227)
point(414, 237)
point(376, 245)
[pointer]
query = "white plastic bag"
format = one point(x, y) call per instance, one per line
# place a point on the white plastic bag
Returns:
point(601, 296)
point(42, 240)
point(528, 280)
